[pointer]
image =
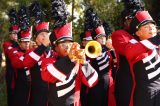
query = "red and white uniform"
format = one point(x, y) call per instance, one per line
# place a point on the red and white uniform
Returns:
point(9, 74)
point(22, 78)
point(102, 65)
point(144, 64)
point(32, 61)
point(123, 80)
point(65, 79)
point(144, 61)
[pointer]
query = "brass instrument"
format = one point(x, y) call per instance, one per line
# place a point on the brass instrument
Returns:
point(33, 44)
point(76, 54)
point(93, 49)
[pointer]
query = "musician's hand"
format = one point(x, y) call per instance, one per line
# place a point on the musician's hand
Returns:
point(33, 44)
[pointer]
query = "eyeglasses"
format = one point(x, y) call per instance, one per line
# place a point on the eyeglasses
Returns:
point(65, 44)
point(13, 33)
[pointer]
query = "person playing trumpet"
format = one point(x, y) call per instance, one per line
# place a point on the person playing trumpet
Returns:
point(102, 93)
point(85, 37)
point(67, 68)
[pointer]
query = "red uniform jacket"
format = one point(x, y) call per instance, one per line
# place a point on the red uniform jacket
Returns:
point(65, 79)
point(123, 80)
point(9, 68)
point(144, 65)
point(32, 61)
point(29, 59)
point(144, 62)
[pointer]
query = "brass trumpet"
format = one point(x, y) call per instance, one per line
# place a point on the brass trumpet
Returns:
point(93, 49)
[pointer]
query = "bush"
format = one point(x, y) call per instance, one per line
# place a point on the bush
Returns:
point(3, 95)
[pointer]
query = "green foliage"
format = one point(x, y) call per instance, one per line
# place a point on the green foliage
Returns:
point(153, 6)
point(3, 95)
point(107, 10)
point(110, 12)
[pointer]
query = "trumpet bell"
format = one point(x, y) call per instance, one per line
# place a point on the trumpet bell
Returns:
point(93, 49)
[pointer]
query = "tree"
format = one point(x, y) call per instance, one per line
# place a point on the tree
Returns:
point(107, 10)
point(153, 6)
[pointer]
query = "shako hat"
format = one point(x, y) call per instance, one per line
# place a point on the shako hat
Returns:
point(86, 36)
point(37, 12)
point(131, 7)
point(13, 18)
point(63, 33)
point(94, 24)
point(25, 32)
point(141, 18)
point(62, 30)
point(25, 35)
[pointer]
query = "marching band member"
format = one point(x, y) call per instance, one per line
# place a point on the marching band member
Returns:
point(39, 88)
point(68, 69)
point(22, 73)
point(109, 45)
point(32, 59)
point(9, 75)
point(64, 75)
point(101, 93)
point(142, 54)
point(120, 38)
point(85, 38)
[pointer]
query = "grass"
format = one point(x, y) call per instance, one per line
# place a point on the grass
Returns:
point(3, 95)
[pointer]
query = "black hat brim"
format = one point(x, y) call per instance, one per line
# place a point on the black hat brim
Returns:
point(64, 39)
point(146, 22)
point(43, 30)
